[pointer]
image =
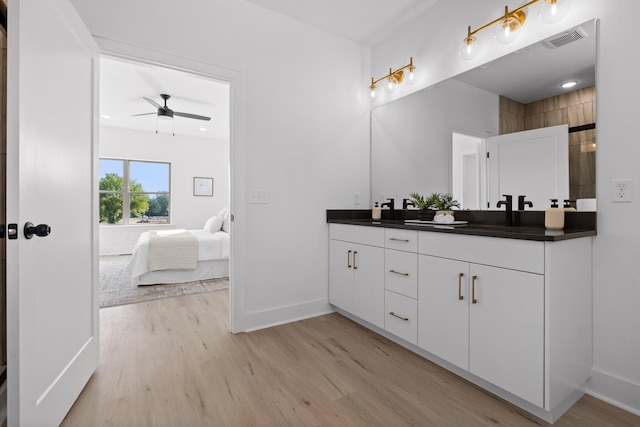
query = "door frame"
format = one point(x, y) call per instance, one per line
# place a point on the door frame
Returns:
point(235, 78)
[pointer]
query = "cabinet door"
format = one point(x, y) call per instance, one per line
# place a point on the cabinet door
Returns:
point(443, 321)
point(506, 330)
point(368, 284)
point(341, 274)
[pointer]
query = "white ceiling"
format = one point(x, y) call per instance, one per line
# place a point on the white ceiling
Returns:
point(363, 21)
point(123, 85)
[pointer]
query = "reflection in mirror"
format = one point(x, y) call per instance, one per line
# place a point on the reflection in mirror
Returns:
point(437, 139)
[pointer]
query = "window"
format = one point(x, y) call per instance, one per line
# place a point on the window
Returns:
point(134, 192)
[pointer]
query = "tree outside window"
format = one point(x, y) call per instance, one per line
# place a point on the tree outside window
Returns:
point(133, 203)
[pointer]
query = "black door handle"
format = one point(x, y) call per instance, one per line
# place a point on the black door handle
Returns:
point(41, 230)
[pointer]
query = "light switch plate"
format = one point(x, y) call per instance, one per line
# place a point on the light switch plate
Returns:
point(258, 196)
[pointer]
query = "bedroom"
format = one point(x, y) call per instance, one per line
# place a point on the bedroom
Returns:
point(165, 161)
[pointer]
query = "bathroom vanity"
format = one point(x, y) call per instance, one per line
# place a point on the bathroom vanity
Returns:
point(508, 308)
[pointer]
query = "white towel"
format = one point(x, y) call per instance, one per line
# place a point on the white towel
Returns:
point(172, 251)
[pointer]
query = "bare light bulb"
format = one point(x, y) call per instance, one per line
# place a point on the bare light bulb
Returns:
point(507, 30)
point(469, 48)
point(390, 84)
point(552, 11)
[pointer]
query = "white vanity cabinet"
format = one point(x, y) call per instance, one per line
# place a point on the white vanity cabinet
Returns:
point(511, 315)
point(356, 271)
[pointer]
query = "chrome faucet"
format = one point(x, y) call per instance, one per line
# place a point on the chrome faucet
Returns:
point(406, 203)
point(508, 220)
point(391, 204)
point(522, 203)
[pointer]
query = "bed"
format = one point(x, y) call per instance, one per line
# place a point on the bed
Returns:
point(177, 256)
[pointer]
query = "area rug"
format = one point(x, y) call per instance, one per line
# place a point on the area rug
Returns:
point(116, 287)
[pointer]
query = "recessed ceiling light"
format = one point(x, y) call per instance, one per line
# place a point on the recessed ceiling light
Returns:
point(203, 129)
point(567, 85)
point(105, 116)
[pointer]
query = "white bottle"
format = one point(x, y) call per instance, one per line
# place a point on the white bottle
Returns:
point(376, 213)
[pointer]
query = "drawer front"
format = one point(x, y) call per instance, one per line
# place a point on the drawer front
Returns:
point(523, 255)
point(372, 236)
point(402, 240)
point(403, 322)
point(401, 272)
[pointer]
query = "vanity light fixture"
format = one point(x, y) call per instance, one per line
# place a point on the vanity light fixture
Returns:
point(394, 78)
point(506, 31)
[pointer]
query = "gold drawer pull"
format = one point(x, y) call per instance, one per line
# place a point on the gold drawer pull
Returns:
point(397, 272)
point(349, 259)
point(406, 319)
point(473, 290)
point(395, 239)
point(460, 276)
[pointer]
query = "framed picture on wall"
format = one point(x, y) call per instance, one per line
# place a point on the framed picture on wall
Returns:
point(202, 186)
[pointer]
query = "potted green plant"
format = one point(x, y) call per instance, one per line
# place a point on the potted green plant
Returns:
point(441, 203)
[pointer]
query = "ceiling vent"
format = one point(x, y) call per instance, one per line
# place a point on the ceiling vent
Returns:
point(565, 38)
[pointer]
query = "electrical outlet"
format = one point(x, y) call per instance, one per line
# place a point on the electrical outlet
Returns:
point(259, 196)
point(356, 198)
point(622, 190)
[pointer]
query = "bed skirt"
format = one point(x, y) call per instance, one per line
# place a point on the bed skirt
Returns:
point(204, 270)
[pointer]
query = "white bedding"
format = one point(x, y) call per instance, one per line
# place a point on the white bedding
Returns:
point(211, 246)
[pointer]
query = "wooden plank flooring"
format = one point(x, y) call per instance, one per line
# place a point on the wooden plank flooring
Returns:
point(172, 363)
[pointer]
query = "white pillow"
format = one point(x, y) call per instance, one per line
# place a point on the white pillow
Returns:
point(226, 222)
point(213, 224)
point(223, 211)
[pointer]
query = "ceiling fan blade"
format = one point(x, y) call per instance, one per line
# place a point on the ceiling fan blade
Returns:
point(191, 116)
point(152, 102)
point(143, 114)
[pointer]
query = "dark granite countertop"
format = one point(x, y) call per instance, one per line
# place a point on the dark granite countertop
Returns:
point(530, 224)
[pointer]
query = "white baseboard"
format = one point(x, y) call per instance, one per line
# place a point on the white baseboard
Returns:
point(616, 391)
point(286, 314)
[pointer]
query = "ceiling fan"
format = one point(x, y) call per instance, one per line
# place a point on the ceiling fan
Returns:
point(166, 112)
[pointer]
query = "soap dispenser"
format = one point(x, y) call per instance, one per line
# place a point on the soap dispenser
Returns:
point(567, 206)
point(554, 216)
point(376, 212)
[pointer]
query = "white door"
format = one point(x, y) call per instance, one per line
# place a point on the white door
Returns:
point(52, 306)
point(533, 163)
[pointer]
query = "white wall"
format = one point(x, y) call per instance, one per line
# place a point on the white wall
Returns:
point(306, 136)
point(432, 39)
point(189, 157)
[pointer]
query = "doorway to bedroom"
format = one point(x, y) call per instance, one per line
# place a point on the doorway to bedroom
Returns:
point(163, 184)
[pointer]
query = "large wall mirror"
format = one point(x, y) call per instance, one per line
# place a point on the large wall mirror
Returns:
point(539, 136)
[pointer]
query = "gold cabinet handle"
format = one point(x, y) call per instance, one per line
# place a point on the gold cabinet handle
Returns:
point(406, 319)
point(355, 267)
point(473, 289)
point(395, 239)
point(349, 259)
point(397, 272)
point(460, 276)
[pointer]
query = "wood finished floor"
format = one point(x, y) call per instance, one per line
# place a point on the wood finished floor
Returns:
point(172, 363)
